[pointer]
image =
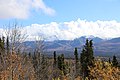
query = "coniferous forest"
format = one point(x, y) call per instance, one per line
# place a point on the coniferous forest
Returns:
point(18, 64)
point(59, 39)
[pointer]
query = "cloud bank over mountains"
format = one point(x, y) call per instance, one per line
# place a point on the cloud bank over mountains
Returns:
point(74, 29)
point(22, 9)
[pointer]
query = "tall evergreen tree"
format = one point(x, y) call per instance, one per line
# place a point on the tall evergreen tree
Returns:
point(91, 56)
point(7, 44)
point(76, 55)
point(55, 60)
point(87, 58)
point(2, 44)
point(3, 41)
point(109, 60)
point(62, 57)
point(1, 54)
point(29, 55)
point(60, 62)
point(76, 61)
point(114, 61)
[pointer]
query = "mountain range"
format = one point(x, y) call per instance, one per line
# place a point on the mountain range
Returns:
point(101, 47)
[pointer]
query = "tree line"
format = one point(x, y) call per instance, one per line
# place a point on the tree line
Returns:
point(84, 63)
point(16, 64)
point(40, 65)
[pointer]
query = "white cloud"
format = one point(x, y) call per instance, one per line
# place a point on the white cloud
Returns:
point(74, 29)
point(21, 8)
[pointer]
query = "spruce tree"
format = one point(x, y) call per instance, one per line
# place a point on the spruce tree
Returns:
point(1, 54)
point(3, 41)
point(55, 60)
point(86, 57)
point(114, 61)
point(2, 46)
point(60, 62)
point(91, 56)
point(109, 60)
point(76, 60)
point(76, 55)
point(7, 44)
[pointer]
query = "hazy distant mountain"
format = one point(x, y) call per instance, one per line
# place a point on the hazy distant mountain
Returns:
point(69, 44)
point(114, 40)
point(109, 47)
point(64, 45)
point(101, 47)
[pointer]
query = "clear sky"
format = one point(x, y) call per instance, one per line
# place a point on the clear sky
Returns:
point(28, 12)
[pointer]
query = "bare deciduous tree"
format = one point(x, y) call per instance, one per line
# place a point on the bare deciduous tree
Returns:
point(16, 36)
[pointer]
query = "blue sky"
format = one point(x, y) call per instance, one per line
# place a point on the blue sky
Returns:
point(86, 9)
point(65, 14)
point(67, 10)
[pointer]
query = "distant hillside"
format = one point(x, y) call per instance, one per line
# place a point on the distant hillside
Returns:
point(67, 46)
point(101, 47)
point(64, 46)
point(109, 47)
point(114, 40)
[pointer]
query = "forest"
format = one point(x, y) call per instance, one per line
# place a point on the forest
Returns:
point(18, 64)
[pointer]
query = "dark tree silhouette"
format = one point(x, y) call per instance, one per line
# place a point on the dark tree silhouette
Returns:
point(76, 61)
point(114, 61)
point(55, 60)
point(87, 58)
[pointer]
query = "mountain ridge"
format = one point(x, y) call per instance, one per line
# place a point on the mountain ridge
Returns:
point(101, 47)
